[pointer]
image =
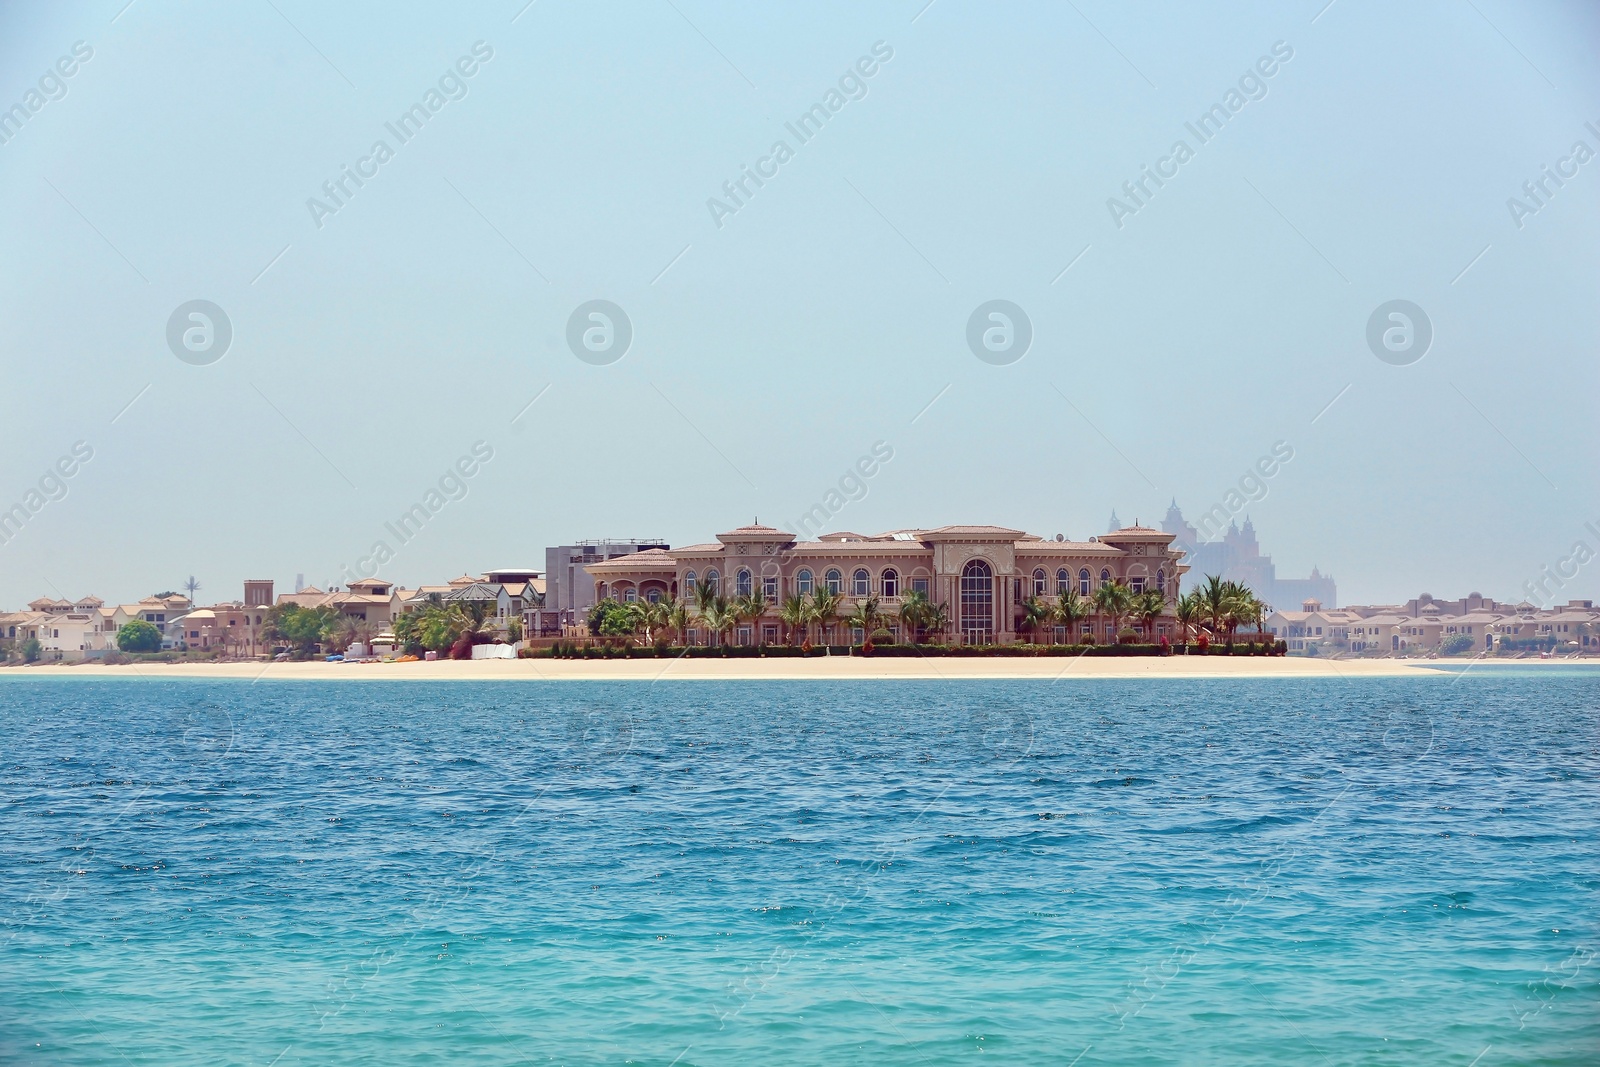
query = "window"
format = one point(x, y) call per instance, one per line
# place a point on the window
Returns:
point(861, 583)
point(977, 602)
point(769, 587)
point(630, 595)
point(834, 581)
point(653, 595)
point(1105, 576)
point(688, 581)
point(802, 582)
point(714, 580)
point(1161, 580)
point(1039, 581)
point(742, 583)
point(1063, 580)
point(920, 585)
point(1136, 584)
point(891, 582)
point(1083, 582)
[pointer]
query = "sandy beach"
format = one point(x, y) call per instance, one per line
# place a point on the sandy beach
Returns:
point(817, 668)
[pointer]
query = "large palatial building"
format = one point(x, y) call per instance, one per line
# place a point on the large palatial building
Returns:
point(982, 573)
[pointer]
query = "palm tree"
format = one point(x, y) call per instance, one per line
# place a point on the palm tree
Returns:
point(1247, 609)
point(1213, 602)
point(865, 617)
point(914, 613)
point(1149, 606)
point(1113, 599)
point(1236, 606)
point(750, 608)
point(713, 611)
point(794, 613)
point(1035, 613)
point(705, 602)
point(936, 619)
point(676, 617)
point(719, 618)
point(1071, 608)
point(1188, 612)
point(824, 608)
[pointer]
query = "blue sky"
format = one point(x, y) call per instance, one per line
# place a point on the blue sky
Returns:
point(370, 352)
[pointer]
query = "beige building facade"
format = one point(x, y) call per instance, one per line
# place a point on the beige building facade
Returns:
point(981, 573)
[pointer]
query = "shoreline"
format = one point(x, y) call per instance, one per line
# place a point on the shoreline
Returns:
point(820, 668)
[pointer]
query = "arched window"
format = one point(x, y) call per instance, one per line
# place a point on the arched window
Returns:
point(802, 582)
point(1039, 581)
point(629, 595)
point(742, 585)
point(1161, 580)
point(977, 602)
point(714, 580)
point(1105, 576)
point(1083, 582)
point(834, 581)
point(891, 582)
point(688, 582)
point(861, 583)
point(1063, 579)
point(653, 595)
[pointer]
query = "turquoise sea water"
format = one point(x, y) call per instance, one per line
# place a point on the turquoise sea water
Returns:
point(1365, 871)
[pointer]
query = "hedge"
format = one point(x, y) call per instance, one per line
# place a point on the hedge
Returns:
point(573, 650)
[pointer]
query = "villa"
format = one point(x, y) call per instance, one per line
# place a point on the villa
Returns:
point(984, 573)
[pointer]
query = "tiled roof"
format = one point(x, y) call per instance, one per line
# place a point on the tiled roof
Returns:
point(998, 532)
point(1070, 548)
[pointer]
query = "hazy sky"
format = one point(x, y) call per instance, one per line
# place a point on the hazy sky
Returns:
point(1176, 338)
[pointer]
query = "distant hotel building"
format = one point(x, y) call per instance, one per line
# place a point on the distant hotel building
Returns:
point(983, 573)
point(1237, 557)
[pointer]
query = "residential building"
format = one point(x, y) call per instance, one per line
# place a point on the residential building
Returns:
point(1313, 627)
point(983, 574)
point(512, 593)
point(569, 590)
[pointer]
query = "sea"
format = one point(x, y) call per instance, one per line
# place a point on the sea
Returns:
point(1251, 871)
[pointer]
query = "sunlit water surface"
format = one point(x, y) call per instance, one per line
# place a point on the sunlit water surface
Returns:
point(1341, 871)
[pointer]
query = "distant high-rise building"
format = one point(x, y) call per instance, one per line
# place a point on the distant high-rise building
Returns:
point(1237, 556)
point(299, 582)
point(1115, 524)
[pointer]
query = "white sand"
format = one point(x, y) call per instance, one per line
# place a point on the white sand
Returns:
point(818, 667)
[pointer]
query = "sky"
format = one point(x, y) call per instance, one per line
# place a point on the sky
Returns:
point(1177, 331)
